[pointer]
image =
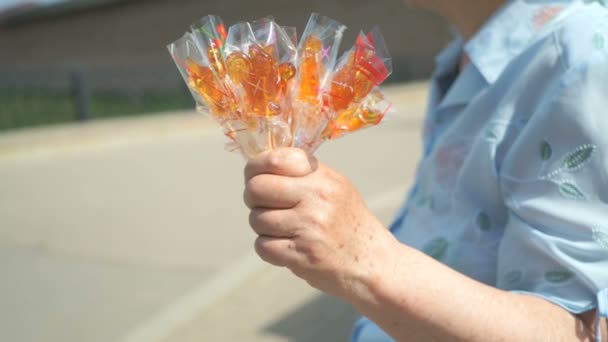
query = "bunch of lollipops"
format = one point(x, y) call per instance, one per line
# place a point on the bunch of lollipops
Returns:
point(267, 90)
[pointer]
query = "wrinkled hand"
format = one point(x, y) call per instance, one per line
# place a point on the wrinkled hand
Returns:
point(312, 220)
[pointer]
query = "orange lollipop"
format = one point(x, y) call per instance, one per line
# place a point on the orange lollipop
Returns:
point(360, 74)
point(342, 89)
point(263, 83)
point(238, 67)
point(207, 85)
point(369, 113)
point(370, 72)
point(353, 120)
point(310, 70)
point(371, 69)
point(287, 71)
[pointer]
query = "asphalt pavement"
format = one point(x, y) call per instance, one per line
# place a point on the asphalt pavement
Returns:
point(134, 230)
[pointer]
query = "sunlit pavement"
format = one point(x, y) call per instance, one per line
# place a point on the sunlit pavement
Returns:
point(134, 230)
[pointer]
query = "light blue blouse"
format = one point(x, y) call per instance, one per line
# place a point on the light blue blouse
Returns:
point(513, 187)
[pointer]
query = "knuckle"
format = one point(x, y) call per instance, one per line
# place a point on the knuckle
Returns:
point(299, 272)
point(299, 156)
point(254, 187)
point(263, 222)
point(302, 162)
point(255, 191)
point(261, 249)
point(325, 186)
point(266, 252)
point(327, 191)
point(254, 219)
point(311, 252)
point(275, 160)
point(291, 246)
point(247, 198)
point(317, 219)
point(314, 255)
point(291, 161)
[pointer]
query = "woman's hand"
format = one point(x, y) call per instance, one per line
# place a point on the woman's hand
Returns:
point(312, 220)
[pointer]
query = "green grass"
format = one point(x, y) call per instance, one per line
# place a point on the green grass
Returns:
point(35, 107)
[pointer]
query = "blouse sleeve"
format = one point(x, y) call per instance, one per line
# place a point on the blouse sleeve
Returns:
point(554, 179)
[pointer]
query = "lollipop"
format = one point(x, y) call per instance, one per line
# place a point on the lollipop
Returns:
point(268, 91)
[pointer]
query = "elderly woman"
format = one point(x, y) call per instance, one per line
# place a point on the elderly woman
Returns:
point(505, 233)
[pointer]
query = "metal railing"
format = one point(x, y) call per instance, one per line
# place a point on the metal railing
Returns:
point(38, 97)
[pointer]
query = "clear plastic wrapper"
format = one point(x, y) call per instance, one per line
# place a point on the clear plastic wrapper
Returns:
point(369, 112)
point(268, 91)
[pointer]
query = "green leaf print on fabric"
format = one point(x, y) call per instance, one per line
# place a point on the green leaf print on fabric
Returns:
point(513, 277)
point(421, 202)
point(426, 202)
point(436, 248)
point(572, 161)
point(483, 221)
point(545, 151)
point(571, 191)
point(491, 133)
point(600, 237)
point(558, 276)
point(577, 159)
point(598, 40)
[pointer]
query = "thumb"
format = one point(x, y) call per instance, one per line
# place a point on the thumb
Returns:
point(289, 162)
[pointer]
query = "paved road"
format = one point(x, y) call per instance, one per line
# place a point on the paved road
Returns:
point(133, 230)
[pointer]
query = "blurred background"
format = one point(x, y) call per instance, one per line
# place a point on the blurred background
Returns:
point(120, 213)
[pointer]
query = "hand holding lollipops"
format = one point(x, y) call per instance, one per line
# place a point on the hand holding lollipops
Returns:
point(266, 92)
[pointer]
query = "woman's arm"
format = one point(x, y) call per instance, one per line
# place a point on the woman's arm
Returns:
point(312, 220)
point(420, 299)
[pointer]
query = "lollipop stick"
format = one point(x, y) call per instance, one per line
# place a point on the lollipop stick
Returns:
point(271, 143)
point(272, 139)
